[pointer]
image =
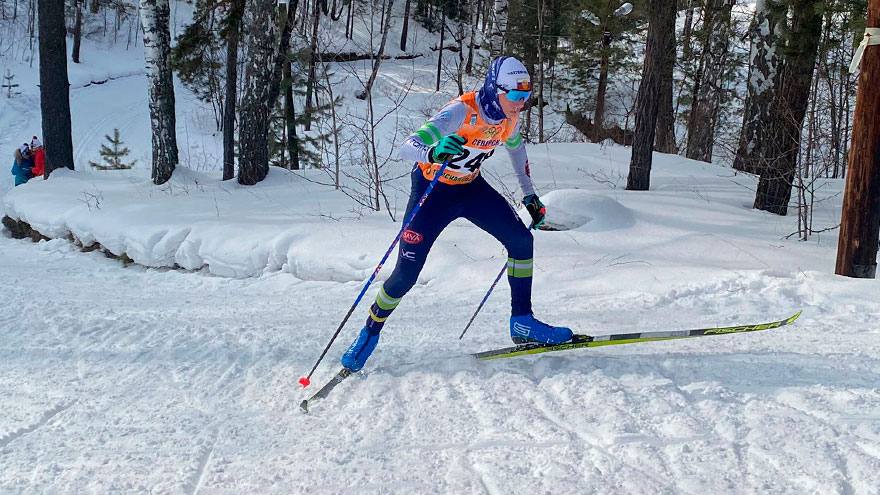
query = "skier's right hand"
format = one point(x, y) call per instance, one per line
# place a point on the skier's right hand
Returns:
point(536, 209)
point(447, 148)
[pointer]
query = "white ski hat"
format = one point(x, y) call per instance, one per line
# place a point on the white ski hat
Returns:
point(35, 142)
point(24, 149)
point(513, 75)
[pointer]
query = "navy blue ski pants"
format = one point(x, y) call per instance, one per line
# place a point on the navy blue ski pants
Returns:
point(483, 206)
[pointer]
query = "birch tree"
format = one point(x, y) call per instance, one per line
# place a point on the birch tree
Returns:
point(155, 15)
point(268, 42)
point(499, 27)
point(764, 69)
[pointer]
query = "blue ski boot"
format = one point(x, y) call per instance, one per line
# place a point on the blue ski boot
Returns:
point(525, 329)
point(356, 356)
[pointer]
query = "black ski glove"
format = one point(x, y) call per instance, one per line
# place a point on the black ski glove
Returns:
point(536, 209)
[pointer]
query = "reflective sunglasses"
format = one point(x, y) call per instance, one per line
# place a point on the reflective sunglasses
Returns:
point(515, 94)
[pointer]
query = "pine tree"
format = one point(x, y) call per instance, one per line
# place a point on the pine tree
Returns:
point(593, 31)
point(661, 24)
point(790, 106)
point(233, 38)
point(708, 84)
point(113, 154)
point(287, 148)
point(196, 56)
point(54, 86)
point(597, 40)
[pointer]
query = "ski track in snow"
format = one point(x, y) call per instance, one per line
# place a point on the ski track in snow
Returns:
point(186, 383)
point(46, 417)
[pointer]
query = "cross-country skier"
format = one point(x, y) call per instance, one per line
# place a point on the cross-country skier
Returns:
point(466, 131)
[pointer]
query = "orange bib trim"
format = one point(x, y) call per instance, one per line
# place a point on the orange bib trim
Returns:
point(481, 140)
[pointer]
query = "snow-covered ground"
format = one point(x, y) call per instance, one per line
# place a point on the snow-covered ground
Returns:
point(183, 380)
point(171, 381)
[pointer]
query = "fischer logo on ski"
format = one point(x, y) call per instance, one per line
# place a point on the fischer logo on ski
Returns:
point(579, 341)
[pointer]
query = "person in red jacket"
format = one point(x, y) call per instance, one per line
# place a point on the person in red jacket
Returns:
point(39, 157)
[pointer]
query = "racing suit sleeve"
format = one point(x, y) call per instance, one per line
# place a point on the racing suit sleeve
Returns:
point(447, 121)
point(520, 161)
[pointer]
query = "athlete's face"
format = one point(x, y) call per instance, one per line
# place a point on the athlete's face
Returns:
point(511, 108)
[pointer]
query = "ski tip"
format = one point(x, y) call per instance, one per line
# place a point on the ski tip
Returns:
point(304, 381)
point(304, 405)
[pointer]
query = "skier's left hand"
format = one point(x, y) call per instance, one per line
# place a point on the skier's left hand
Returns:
point(536, 209)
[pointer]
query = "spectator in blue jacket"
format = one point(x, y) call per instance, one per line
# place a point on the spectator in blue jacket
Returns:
point(23, 164)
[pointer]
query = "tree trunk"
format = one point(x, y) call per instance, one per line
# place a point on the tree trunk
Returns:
point(687, 30)
point(790, 107)
point(499, 28)
point(707, 101)
point(157, 47)
point(335, 128)
point(77, 30)
point(349, 21)
point(404, 31)
point(267, 48)
point(440, 51)
point(661, 15)
point(474, 10)
point(290, 119)
point(687, 51)
point(459, 69)
point(765, 65)
point(54, 86)
point(541, 6)
point(664, 140)
point(598, 116)
point(860, 218)
point(385, 26)
point(233, 35)
point(313, 60)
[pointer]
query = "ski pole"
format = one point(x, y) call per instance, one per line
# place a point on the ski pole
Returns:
point(306, 380)
point(486, 297)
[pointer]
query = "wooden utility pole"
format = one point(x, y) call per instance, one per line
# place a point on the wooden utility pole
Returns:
point(860, 219)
